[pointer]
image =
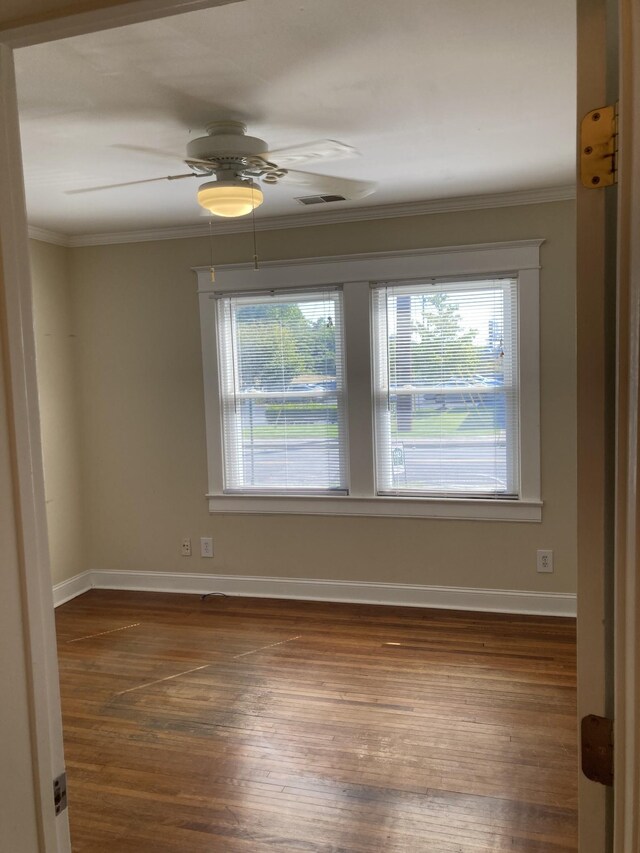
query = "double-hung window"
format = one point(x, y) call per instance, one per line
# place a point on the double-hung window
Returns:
point(282, 392)
point(446, 385)
point(390, 384)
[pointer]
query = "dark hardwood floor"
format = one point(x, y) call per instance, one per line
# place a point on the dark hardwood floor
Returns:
point(243, 725)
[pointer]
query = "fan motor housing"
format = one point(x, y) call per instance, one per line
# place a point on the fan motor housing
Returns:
point(225, 145)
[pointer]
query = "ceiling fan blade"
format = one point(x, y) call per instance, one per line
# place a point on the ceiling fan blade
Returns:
point(308, 152)
point(328, 185)
point(165, 155)
point(155, 152)
point(131, 183)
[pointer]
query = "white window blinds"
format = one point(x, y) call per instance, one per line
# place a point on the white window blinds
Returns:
point(282, 392)
point(447, 389)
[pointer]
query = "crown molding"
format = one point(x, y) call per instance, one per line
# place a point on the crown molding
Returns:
point(46, 236)
point(308, 218)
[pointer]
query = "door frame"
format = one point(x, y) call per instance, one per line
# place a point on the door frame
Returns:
point(595, 407)
point(608, 313)
point(626, 806)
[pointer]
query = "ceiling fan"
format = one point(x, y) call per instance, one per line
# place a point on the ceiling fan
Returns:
point(239, 162)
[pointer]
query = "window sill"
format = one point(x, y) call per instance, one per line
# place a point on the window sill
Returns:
point(396, 507)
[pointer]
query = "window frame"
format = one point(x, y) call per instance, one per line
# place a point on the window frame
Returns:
point(356, 275)
point(231, 458)
point(458, 283)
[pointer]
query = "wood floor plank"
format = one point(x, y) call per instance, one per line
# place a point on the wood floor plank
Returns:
point(252, 726)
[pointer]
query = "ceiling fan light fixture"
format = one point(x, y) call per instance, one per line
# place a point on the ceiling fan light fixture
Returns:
point(230, 198)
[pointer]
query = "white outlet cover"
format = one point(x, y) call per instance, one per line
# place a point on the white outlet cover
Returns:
point(544, 561)
point(206, 546)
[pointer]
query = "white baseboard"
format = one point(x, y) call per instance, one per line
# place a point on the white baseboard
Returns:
point(66, 590)
point(448, 597)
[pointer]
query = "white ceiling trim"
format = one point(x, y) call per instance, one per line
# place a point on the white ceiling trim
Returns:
point(46, 236)
point(328, 217)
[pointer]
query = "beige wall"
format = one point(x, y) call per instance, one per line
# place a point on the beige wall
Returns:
point(56, 354)
point(143, 419)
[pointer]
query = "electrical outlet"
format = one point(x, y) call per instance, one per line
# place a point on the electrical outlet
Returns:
point(206, 546)
point(186, 547)
point(544, 561)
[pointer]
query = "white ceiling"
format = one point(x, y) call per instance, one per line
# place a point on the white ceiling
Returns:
point(442, 99)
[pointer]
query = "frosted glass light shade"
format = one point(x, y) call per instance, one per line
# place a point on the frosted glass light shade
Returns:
point(230, 198)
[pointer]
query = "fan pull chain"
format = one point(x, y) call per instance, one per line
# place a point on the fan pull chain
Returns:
point(212, 271)
point(253, 222)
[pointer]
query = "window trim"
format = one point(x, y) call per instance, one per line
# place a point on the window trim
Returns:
point(356, 274)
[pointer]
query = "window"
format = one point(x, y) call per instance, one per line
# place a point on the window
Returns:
point(282, 392)
point(446, 388)
point(386, 384)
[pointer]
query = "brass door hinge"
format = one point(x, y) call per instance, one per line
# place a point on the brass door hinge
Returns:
point(599, 148)
point(597, 749)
